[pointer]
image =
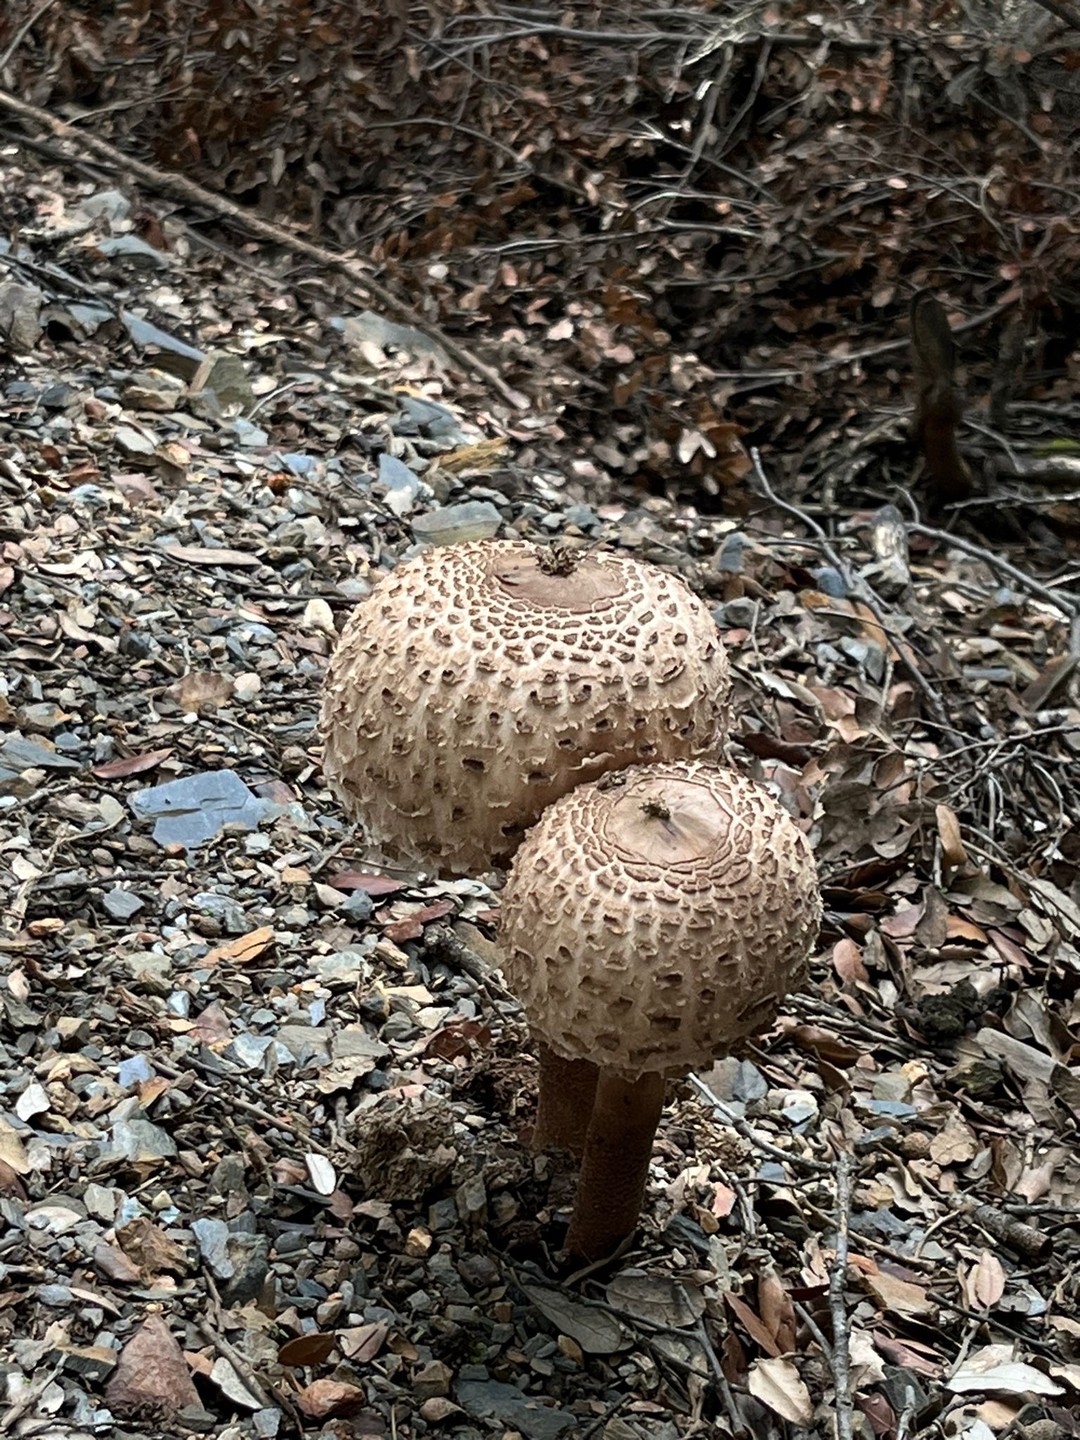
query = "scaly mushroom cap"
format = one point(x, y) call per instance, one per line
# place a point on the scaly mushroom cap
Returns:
point(481, 681)
point(656, 916)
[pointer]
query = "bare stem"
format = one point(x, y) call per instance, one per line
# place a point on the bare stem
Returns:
point(616, 1163)
point(567, 1091)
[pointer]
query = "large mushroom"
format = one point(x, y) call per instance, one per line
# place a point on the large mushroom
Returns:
point(479, 682)
point(649, 921)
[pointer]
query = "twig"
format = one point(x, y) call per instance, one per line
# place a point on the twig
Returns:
point(840, 1354)
point(748, 1132)
point(738, 1426)
point(24, 30)
point(1061, 599)
point(193, 194)
point(1064, 13)
point(244, 1371)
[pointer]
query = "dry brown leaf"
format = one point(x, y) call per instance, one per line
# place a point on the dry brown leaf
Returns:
point(984, 1282)
point(310, 1349)
point(244, 948)
point(361, 1343)
point(954, 1144)
point(202, 690)
point(752, 1325)
point(902, 1297)
point(848, 962)
point(131, 764)
point(952, 847)
point(777, 1384)
point(776, 1310)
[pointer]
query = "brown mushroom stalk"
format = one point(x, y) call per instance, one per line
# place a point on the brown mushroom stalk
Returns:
point(650, 920)
point(615, 1165)
point(479, 682)
point(565, 1106)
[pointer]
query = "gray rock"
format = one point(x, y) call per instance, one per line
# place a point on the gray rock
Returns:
point(190, 811)
point(252, 437)
point(224, 377)
point(130, 247)
point(831, 582)
point(139, 1142)
point(471, 520)
point(358, 907)
point(121, 904)
point(107, 204)
point(439, 422)
point(213, 1239)
point(248, 1051)
point(135, 1070)
point(184, 359)
point(403, 486)
point(223, 908)
point(20, 315)
point(133, 442)
point(492, 1400)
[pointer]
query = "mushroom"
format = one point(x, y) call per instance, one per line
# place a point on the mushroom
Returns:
point(649, 921)
point(479, 682)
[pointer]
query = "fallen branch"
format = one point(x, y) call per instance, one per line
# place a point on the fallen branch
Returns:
point(840, 1354)
point(193, 194)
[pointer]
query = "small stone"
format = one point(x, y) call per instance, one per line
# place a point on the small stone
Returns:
point(798, 1106)
point(434, 1379)
point(451, 524)
point(121, 904)
point(438, 1409)
point(358, 907)
point(134, 1071)
point(223, 377)
point(90, 1362)
point(134, 443)
point(893, 1085)
point(418, 1242)
point(403, 486)
point(151, 1371)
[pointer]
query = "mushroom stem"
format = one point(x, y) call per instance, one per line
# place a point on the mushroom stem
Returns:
point(567, 1090)
point(615, 1164)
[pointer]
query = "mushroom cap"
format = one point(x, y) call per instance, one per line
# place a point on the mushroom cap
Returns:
point(476, 684)
point(654, 917)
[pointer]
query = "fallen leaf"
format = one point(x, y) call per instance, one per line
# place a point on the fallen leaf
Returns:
point(848, 962)
point(596, 1331)
point(369, 884)
point(952, 847)
point(992, 1370)
point(243, 949)
point(202, 690)
point(131, 764)
point(900, 1296)
point(984, 1283)
point(363, 1342)
point(752, 1324)
point(777, 1384)
point(310, 1349)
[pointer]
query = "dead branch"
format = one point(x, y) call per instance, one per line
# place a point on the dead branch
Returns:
point(193, 194)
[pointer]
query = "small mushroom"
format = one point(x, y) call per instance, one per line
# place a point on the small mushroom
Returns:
point(649, 921)
point(479, 682)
